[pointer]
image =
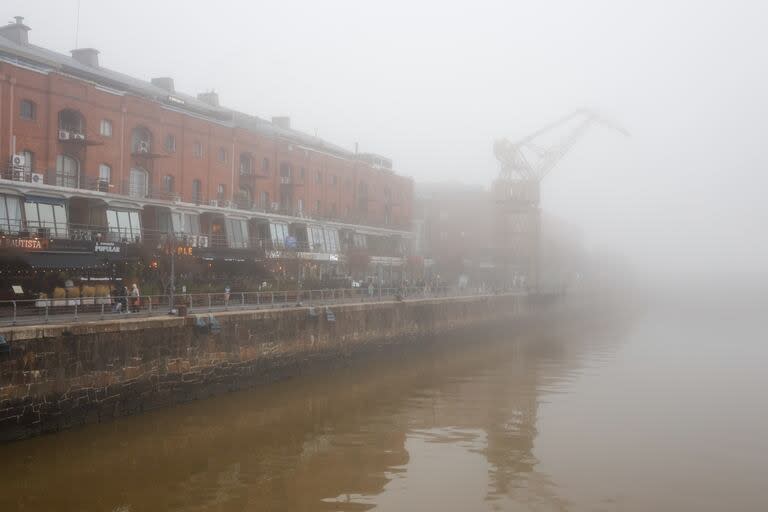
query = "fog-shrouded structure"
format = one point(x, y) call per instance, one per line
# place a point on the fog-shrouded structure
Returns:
point(94, 162)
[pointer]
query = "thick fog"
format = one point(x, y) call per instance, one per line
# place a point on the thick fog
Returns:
point(433, 84)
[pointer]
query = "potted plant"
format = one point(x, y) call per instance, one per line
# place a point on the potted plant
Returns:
point(73, 296)
point(42, 300)
point(58, 296)
point(102, 294)
point(87, 294)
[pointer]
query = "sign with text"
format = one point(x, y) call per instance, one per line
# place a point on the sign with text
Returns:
point(27, 244)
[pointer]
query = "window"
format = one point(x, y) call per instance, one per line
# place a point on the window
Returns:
point(237, 233)
point(71, 121)
point(358, 241)
point(48, 217)
point(197, 149)
point(169, 184)
point(285, 170)
point(105, 128)
point(333, 209)
point(302, 172)
point(265, 166)
point(67, 171)
point(105, 177)
point(316, 239)
point(246, 164)
point(332, 240)
point(170, 143)
point(223, 155)
point(319, 178)
point(264, 199)
point(279, 233)
point(138, 183)
point(29, 161)
point(221, 192)
point(244, 200)
point(197, 192)
point(27, 110)
point(317, 207)
point(300, 205)
point(334, 180)
point(179, 222)
point(10, 214)
point(123, 225)
point(141, 140)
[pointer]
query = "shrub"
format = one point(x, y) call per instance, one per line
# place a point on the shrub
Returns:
point(59, 293)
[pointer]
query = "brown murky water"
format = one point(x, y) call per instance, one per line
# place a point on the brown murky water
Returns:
point(663, 412)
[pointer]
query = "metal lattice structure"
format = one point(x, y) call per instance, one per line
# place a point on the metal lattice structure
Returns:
point(524, 164)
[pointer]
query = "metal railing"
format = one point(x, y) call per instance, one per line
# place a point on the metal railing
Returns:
point(72, 309)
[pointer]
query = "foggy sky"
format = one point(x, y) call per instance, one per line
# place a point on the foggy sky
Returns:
point(432, 84)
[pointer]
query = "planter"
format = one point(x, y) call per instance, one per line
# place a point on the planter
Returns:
point(103, 300)
point(43, 303)
point(60, 302)
point(87, 302)
point(73, 302)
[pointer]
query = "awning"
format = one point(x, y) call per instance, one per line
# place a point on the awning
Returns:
point(44, 200)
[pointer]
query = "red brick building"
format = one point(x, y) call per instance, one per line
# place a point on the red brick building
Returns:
point(107, 151)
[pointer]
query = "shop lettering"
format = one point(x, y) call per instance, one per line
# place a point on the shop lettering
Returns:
point(110, 248)
point(22, 243)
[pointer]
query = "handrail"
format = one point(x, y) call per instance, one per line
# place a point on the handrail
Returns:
point(70, 309)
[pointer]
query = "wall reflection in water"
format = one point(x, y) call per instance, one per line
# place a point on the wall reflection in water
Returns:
point(451, 427)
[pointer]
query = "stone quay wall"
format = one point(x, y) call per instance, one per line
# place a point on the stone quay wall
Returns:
point(54, 377)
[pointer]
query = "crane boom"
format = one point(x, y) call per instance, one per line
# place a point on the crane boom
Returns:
point(515, 164)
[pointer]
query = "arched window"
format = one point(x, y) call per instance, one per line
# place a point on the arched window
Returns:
point(138, 183)
point(67, 171)
point(141, 140)
point(71, 121)
point(246, 164)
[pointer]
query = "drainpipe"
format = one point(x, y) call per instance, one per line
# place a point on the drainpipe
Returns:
point(232, 159)
point(2, 79)
point(123, 111)
point(11, 141)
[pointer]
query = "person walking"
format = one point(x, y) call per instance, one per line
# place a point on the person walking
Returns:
point(135, 298)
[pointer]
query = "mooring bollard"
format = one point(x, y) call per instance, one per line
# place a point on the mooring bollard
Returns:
point(75, 310)
point(46, 313)
point(209, 302)
point(149, 304)
point(102, 311)
point(14, 312)
point(242, 299)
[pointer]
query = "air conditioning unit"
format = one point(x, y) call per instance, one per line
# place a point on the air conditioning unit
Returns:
point(18, 161)
point(275, 206)
point(64, 135)
point(214, 203)
point(78, 136)
point(37, 178)
point(142, 147)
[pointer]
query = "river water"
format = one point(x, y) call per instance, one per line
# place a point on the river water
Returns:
point(663, 410)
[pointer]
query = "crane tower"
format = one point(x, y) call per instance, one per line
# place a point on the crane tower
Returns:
point(524, 164)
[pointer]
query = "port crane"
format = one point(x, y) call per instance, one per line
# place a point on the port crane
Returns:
point(525, 163)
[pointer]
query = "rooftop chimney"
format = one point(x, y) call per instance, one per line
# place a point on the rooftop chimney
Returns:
point(282, 122)
point(164, 82)
point(211, 98)
point(86, 56)
point(16, 31)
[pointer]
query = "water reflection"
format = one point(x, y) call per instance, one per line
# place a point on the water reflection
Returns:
point(454, 426)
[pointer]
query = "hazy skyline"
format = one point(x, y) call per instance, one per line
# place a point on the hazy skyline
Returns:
point(433, 84)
